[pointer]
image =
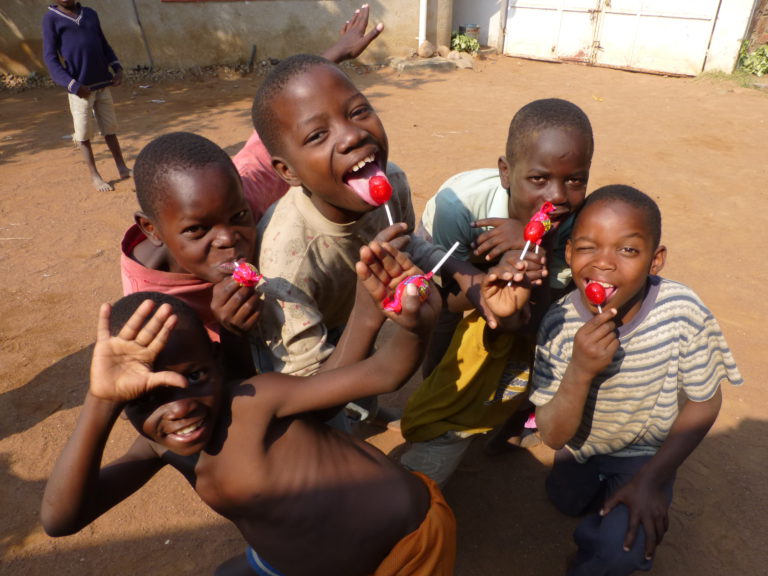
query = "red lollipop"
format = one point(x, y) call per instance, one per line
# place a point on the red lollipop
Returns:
point(596, 295)
point(380, 189)
point(246, 274)
point(533, 233)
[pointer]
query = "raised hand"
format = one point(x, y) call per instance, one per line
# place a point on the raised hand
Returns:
point(353, 39)
point(121, 368)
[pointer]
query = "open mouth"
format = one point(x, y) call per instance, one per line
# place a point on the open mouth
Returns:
point(359, 177)
point(610, 289)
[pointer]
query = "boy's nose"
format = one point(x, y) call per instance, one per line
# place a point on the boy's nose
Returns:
point(556, 193)
point(351, 137)
point(224, 237)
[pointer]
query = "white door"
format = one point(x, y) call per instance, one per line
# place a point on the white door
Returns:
point(656, 35)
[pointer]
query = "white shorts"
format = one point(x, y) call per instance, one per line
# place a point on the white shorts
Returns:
point(98, 105)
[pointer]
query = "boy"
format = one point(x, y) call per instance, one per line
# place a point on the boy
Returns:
point(607, 380)
point(261, 184)
point(80, 59)
point(481, 380)
point(193, 225)
point(250, 449)
point(326, 141)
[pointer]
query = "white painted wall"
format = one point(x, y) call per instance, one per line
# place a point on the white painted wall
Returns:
point(731, 27)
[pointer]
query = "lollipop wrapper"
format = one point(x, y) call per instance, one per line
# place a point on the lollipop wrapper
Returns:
point(371, 184)
point(246, 274)
point(394, 303)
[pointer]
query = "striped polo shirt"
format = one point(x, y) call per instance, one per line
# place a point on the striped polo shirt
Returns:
point(672, 346)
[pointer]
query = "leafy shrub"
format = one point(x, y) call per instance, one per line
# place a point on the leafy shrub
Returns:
point(464, 43)
point(755, 62)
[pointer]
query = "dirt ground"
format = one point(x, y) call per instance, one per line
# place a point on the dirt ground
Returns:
point(696, 145)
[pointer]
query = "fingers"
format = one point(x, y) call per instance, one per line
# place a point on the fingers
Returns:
point(391, 232)
point(102, 325)
point(135, 323)
point(166, 378)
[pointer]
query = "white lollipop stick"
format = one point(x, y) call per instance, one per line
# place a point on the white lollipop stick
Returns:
point(443, 260)
point(389, 214)
point(599, 309)
point(525, 249)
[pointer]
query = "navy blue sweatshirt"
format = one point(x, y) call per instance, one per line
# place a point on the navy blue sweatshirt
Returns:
point(76, 51)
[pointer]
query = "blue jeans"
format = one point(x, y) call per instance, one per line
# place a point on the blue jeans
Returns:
point(581, 489)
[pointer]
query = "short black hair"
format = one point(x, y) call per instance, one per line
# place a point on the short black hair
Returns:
point(123, 309)
point(540, 115)
point(633, 198)
point(264, 119)
point(169, 153)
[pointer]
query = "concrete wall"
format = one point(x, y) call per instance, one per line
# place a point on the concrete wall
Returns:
point(187, 34)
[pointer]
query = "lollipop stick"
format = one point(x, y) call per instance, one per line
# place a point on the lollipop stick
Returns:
point(443, 259)
point(525, 249)
point(599, 309)
point(389, 214)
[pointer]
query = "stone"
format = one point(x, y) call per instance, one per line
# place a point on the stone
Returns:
point(443, 51)
point(426, 49)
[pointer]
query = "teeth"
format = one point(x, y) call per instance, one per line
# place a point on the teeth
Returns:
point(362, 163)
point(189, 429)
point(604, 284)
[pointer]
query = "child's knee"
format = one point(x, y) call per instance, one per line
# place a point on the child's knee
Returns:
point(601, 546)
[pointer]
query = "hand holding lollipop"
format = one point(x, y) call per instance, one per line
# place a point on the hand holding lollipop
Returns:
point(537, 227)
point(394, 303)
point(595, 293)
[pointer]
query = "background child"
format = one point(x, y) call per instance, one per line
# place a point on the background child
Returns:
point(160, 367)
point(80, 59)
point(607, 383)
point(261, 184)
point(326, 141)
point(193, 225)
point(482, 379)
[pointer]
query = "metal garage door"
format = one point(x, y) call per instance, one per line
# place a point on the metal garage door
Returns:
point(659, 35)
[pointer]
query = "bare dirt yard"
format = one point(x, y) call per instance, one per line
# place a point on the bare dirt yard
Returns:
point(696, 145)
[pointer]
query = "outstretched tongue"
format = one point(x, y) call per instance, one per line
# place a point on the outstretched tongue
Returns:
point(371, 184)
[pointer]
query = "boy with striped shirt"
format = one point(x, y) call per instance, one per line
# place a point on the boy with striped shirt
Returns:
point(606, 384)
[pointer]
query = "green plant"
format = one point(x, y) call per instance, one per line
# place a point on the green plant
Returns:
point(755, 62)
point(464, 43)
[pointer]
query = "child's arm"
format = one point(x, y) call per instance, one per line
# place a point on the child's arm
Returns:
point(353, 40)
point(594, 346)
point(77, 491)
point(644, 495)
point(391, 364)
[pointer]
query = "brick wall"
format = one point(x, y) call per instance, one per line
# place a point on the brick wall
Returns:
point(758, 33)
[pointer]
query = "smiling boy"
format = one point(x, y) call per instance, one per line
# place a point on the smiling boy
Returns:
point(252, 450)
point(606, 384)
point(326, 141)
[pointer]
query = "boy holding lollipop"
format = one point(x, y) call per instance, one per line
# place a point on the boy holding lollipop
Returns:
point(480, 381)
point(608, 373)
point(328, 144)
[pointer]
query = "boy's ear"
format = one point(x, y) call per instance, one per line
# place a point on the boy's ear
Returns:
point(659, 259)
point(504, 172)
point(568, 251)
point(147, 226)
point(285, 171)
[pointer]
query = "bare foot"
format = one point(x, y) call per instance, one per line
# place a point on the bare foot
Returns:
point(101, 185)
point(124, 172)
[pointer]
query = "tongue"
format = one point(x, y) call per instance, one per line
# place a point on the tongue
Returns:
point(360, 183)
